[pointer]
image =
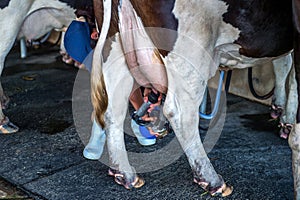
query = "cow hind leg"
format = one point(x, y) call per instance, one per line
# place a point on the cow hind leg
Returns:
point(4, 99)
point(285, 100)
point(120, 169)
point(119, 85)
point(184, 119)
point(282, 67)
point(9, 32)
point(288, 119)
point(6, 127)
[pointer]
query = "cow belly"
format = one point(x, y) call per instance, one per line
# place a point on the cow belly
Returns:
point(44, 20)
point(228, 55)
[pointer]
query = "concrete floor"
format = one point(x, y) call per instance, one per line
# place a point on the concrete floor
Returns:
point(44, 159)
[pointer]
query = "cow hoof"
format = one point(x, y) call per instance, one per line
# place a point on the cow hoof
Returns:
point(137, 183)
point(7, 127)
point(67, 59)
point(223, 191)
point(285, 130)
point(276, 111)
point(121, 180)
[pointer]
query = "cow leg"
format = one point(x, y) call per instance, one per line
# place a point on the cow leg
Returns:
point(184, 119)
point(282, 67)
point(123, 173)
point(119, 83)
point(10, 26)
point(285, 101)
point(6, 126)
point(115, 115)
point(5, 46)
point(4, 99)
point(288, 119)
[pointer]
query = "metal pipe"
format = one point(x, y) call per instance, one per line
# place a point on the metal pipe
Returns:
point(23, 48)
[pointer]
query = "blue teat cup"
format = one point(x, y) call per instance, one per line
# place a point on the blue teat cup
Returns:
point(145, 132)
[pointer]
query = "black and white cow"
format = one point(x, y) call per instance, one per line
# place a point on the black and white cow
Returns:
point(193, 38)
point(31, 19)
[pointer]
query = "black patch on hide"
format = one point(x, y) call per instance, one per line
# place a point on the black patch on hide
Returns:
point(4, 3)
point(266, 26)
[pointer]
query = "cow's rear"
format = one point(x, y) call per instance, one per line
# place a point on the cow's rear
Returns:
point(209, 33)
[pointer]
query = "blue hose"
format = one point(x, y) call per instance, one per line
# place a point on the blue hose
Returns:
point(217, 101)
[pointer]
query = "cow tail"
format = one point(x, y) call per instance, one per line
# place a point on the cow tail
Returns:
point(98, 90)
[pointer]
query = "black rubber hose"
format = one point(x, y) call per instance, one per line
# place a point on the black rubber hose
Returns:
point(260, 97)
point(228, 79)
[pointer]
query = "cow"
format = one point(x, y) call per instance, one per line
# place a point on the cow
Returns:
point(31, 19)
point(193, 39)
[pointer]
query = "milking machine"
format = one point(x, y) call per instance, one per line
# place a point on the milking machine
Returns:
point(137, 115)
point(160, 123)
